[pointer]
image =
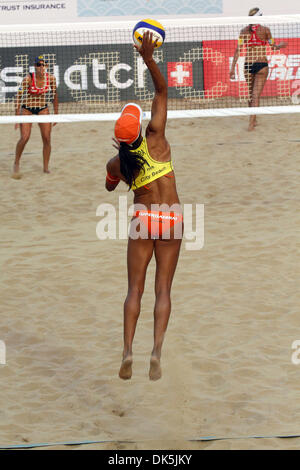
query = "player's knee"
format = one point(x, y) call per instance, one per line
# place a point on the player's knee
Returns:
point(163, 290)
point(136, 291)
point(24, 139)
point(46, 140)
point(254, 99)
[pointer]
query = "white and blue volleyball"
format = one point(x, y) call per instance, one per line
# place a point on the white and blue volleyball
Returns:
point(148, 25)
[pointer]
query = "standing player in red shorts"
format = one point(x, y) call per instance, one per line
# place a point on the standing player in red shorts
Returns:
point(31, 99)
point(256, 38)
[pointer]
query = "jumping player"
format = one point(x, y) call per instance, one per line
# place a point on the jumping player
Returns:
point(145, 165)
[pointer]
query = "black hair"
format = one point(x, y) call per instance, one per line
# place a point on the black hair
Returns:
point(131, 163)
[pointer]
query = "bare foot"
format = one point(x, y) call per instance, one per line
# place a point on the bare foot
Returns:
point(252, 123)
point(125, 372)
point(46, 171)
point(16, 172)
point(155, 369)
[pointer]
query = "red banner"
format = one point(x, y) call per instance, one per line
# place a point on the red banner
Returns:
point(284, 70)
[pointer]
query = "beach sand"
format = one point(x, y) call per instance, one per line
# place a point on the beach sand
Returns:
point(227, 368)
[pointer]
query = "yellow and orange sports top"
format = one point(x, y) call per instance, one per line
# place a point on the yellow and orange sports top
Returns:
point(153, 170)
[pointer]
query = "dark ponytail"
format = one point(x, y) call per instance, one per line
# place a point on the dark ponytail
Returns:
point(131, 163)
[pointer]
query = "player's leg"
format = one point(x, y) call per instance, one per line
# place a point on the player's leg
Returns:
point(45, 128)
point(25, 131)
point(250, 82)
point(258, 86)
point(166, 254)
point(139, 254)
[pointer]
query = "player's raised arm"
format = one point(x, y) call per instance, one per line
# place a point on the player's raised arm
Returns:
point(158, 120)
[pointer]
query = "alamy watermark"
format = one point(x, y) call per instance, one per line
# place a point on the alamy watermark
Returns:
point(2, 92)
point(295, 95)
point(296, 354)
point(161, 221)
point(2, 353)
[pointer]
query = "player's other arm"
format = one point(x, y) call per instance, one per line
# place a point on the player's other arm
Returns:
point(22, 89)
point(54, 92)
point(271, 41)
point(112, 179)
point(241, 41)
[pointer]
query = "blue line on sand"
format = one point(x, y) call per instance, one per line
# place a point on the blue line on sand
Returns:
point(204, 438)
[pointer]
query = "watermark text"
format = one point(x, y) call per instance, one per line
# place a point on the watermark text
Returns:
point(160, 221)
point(2, 353)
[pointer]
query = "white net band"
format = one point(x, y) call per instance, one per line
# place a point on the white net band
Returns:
point(204, 113)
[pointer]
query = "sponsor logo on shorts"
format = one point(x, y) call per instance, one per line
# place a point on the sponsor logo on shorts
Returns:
point(2, 92)
point(184, 222)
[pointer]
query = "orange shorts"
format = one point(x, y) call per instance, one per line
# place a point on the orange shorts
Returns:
point(159, 223)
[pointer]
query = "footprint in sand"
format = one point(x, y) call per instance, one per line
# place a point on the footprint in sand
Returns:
point(16, 176)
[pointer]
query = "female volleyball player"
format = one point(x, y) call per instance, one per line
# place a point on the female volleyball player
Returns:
point(31, 99)
point(256, 38)
point(144, 164)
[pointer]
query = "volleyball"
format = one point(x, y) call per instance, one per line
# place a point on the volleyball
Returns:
point(148, 25)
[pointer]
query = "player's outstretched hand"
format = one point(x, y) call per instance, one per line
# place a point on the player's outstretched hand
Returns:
point(282, 45)
point(147, 47)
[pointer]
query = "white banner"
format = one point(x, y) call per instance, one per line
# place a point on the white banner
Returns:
point(268, 7)
point(148, 8)
point(37, 11)
point(65, 11)
point(89, 9)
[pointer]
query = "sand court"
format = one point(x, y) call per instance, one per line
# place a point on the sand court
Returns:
point(226, 363)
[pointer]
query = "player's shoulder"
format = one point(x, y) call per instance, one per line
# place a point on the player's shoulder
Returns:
point(113, 165)
point(245, 30)
point(266, 29)
point(264, 32)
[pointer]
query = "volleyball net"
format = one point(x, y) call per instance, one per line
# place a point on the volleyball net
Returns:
point(97, 70)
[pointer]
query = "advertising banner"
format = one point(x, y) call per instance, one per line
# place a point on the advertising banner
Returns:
point(284, 69)
point(37, 11)
point(105, 73)
point(268, 7)
point(154, 8)
point(200, 8)
point(70, 11)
